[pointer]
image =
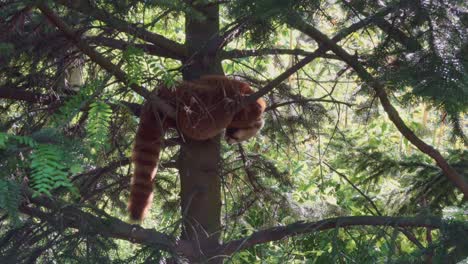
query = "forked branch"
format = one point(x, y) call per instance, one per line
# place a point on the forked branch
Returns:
point(101, 60)
point(297, 22)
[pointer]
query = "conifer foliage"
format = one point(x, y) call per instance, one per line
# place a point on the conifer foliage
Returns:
point(362, 158)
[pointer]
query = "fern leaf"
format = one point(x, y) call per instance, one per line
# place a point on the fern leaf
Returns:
point(47, 169)
point(10, 199)
point(98, 124)
point(3, 140)
point(73, 105)
point(133, 56)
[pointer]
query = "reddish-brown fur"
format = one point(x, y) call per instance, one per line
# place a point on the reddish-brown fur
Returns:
point(204, 108)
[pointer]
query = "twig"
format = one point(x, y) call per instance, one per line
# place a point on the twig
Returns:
point(101, 60)
point(297, 22)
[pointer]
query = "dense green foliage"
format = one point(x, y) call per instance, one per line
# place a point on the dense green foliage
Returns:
point(327, 149)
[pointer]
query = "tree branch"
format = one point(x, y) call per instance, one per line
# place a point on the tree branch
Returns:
point(67, 216)
point(173, 48)
point(31, 97)
point(46, 99)
point(283, 76)
point(298, 228)
point(103, 61)
point(302, 101)
point(297, 22)
point(393, 32)
point(122, 45)
point(312, 56)
point(86, 49)
point(111, 166)
point(235, 54)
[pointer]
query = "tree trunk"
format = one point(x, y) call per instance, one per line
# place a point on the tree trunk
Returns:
point(199, 160)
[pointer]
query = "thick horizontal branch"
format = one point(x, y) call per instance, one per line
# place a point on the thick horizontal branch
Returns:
point(122, 45)
point(235, 54)
point(297, 22)
point(173, 48)
point(278, 233)
point(31, 97)
point(67, 216)
point(46, 99)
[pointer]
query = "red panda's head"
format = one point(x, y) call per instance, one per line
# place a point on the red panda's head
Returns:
point(247, 123)
point(236, 135)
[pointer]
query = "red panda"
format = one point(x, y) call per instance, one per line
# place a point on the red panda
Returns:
point(204, 107)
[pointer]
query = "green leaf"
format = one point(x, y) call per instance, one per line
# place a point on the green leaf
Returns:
point(48, 171)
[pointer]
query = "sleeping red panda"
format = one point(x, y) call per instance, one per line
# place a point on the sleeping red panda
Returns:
point(202, 112)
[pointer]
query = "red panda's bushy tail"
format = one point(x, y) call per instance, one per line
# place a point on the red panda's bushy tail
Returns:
point(146, 152)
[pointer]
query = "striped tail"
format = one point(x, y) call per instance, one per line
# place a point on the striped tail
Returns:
point(146, 152)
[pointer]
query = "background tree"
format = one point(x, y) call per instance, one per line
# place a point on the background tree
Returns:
point(365, 124)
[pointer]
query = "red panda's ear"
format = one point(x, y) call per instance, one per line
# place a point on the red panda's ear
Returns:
point(262, 103)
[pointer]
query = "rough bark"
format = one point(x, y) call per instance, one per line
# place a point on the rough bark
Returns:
point(278, 233)
point(64, 216)
point(199, 160)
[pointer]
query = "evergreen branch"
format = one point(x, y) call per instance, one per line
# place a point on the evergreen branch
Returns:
point(171, 48)
point(66, 216)
point(312, 56)
point(304, 100)
point(298, 228)
point(7, 92)
point(374, 206)
point(406, 232)
point(396, 34)
point(235, 54)
point(297, 22)
point(46, 99)
point(341, 35)
point(86, 49)
point(123, 45)
point(283, 76)
point(10, 199)
point(111, 166)
point(103, 61)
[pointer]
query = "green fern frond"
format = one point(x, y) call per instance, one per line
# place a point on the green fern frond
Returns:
point(132, 56)
point(156, 67)
point(6, 139)
point(98, 124)
point(47, 169)
point(25, 140)
point(74, 104)
point(10, 199)
point(3, 140)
